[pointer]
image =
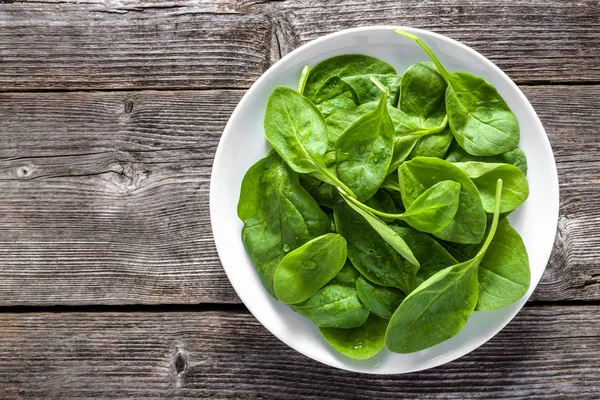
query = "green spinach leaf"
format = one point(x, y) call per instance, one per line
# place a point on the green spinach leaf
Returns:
point(322, 192)
point(422, 99)
point(481, 121)
point(358, 343)
point(432, 256)
point(432, 211)
point(383, 229)
point(409, 132)
point(515, 157)
point(372, 256)
point(308, 268)
point(303, 78)
point(422, 94)
point(380, 300)
point(421, 173)
point(484, 175)
point(278, 215)
point(364, 151)
point(435, 208)
point(504, 274)
point(347, 275)
point(433, 145)
point(364, 90)
point(334, 306)
point(325, 80)
point(439, 308)
point(297, 131)
point(344, 101)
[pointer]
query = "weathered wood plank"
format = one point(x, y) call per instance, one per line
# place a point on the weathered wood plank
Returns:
point(56, 44)
point(105, 196)
point(574, 268)
point(101, 46)
point(545, 353)
point(531, 40)
point(100, 205)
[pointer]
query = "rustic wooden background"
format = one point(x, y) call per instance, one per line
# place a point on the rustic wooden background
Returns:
point(110, 113)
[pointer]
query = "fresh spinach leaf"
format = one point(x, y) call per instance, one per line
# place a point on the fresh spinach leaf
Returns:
point(305, 270)
point(297, 131)
point(322, 192)
point(422, 94)
point(303, 78)
point(435, 208)
point(409, 132)
point(383, 229)
point(432, 211)
point(278, 215)
point(390, 183)
point(504, 274)
point(410, 138)
point(393, 85)
point(432, 256)
point(382, 200)
point(515, 157)
point(334, 306)
point(364, 90)
point(347, 275)
point(433, 145)
point(364, 151)
point(372, 256)
point(325, 79)
point(344, 101)
point(439, 308)
point(380, 300)
point(484, 175)
point(358, 343)
point(421, 173)
point(481, 121)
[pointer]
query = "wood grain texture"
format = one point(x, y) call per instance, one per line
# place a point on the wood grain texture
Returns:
point(105, 196)
point(106, 45)
point(574, 267)
point(531, 40)
point(124, 44)
point(545, 353)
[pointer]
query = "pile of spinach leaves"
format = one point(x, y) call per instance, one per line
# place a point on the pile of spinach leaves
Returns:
point(380, 214)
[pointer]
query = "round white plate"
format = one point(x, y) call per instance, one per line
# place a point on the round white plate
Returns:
point(243, 143)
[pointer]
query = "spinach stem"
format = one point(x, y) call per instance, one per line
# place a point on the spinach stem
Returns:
point(369, 209)
point(431, 131)
point(437, 63)
point(380, 85)
point(492, 231)
point(390, 184)
point(339, 183)
point(303, 79)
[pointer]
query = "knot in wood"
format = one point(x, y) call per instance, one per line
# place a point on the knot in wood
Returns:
point(126, 176)
point(128, 106)
point(180, 363)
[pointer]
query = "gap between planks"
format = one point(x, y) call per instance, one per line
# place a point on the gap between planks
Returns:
point(240, 89)
point(238, 308)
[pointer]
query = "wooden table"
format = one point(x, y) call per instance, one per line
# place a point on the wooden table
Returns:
point(110, 113)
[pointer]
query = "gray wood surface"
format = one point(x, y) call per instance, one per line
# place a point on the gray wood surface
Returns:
point(228, 43)
point(110, 114)
point(105, 196)
point(545, 353)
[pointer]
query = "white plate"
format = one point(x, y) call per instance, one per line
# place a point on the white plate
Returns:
point(243, 143)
